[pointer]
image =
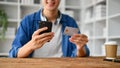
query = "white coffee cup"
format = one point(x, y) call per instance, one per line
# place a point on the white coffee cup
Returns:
point(111, 49)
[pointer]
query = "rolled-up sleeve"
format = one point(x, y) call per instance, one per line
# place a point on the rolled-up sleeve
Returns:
point(21, 38)
point(75, 51)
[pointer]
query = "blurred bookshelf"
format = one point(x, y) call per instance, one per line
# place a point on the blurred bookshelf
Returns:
point(100, 21)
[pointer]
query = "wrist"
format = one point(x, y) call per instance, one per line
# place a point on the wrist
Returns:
point(25, 51)
point(29, 46)
point(79, 47)
point(81, 52)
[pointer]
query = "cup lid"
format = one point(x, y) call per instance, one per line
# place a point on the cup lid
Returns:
point(111, 43)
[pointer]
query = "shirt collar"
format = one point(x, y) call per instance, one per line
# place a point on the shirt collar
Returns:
point(43, 18)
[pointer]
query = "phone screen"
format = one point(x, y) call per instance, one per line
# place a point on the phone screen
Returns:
point(45, 24)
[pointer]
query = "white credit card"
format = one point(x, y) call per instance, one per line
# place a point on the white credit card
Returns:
point(70, 31)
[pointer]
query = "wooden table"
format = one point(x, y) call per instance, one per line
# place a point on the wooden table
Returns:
point(86, 62)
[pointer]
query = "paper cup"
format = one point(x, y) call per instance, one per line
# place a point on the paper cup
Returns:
point(111, 50)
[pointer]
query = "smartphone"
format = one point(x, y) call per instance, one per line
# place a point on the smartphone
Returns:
point(45, 24)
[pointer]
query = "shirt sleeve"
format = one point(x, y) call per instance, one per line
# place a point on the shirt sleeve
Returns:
point(74, 52)
point(87, 51)
point(21, 38)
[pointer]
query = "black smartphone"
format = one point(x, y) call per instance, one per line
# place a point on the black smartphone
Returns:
point(45, 24)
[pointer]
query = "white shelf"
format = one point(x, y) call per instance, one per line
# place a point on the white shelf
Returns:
point(99, 1)
point(73, 7)
point(101, 29)
point(12, 20)
point(115, 16)
point(114, 37)
point(90, 38)
point(72, 2)
point(89, 21)
point(101, 19)
point(94, 20)
point(100, 37)
point(4, 54)
point(30, 5)
point(8, 3)
point(9, 37)
point(87, 4)
point(93, 4)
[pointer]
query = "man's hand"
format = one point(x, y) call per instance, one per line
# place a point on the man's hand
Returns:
point(39, 40)
point(80, 41)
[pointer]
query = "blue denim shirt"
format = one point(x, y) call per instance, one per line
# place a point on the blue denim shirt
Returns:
point(30, 23)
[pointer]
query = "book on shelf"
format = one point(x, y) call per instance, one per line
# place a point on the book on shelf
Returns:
point(27, 1)
point(36, 1)
point(89, 16)
point(100, 0)
point(100, 11)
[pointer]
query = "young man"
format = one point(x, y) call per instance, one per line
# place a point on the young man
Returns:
point(30, 43)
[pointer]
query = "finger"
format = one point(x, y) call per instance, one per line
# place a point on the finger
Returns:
point(81, 39)
point(39, 30)
point(84, 36)
point(46, 39)
point(80, 35)
point(38, 37)
point(46, 35)
point(78, 41)
point(42, 41)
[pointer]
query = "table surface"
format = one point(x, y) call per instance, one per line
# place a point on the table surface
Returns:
point(84, 62)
